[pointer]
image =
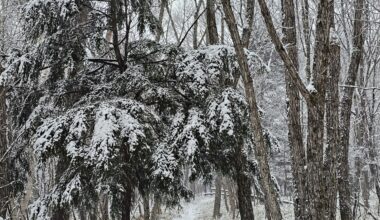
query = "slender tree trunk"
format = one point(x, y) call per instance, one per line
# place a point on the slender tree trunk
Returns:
point(265, 178)
point(244, 196)
point(156, 210)
point(345, 114)
point(232, 197)
point(127, 203)
point(160, 19)
point(248, 28)
point(4, 182)
point(218, 196)
point(365, 189)
point(211, 23)
point(146, 206)
point(225, 190)
point(295, 138)
point(306, 33)
point(195, 28)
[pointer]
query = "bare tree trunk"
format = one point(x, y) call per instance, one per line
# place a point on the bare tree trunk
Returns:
point(332, 126)
point(104, 207)
point(218, 196)
point(345, 114)
point(160, 19)
point(315, 99)
point(211, 23)
point(248, 28)
point(225, 190)
point(4, 182)
point(146, 206)
point(244, 196)
point(332, 131)
point(356, 192)
point(127, 203)
point(195, 28)
point(295, 138)
point(232, 197)
point(306, 33)
point(156, 210)
point(365, 189)
point(265, 178)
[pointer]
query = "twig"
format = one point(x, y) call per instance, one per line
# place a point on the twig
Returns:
point(359, 87)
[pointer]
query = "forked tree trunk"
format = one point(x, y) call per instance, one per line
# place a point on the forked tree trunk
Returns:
point(315, 99)
point(265, 178)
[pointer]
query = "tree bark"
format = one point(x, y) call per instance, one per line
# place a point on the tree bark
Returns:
point(4, 181)
point(156, 210)
point(127, 203)
point(218, 196)
point(248, 28)
point(211, 23)
point(244, 196)
point(265, 178)
point(295, 137)
point(306, 33)
point(332, 131)
point(345, 114)
point(225, 190)
point(146, 206)
point(160, 19)
point(316, 113)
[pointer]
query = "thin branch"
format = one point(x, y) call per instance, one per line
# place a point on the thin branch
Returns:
point(359, 87)
point(187, 32)
point(292, 71)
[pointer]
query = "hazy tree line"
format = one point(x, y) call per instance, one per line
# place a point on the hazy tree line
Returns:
point(123, 109)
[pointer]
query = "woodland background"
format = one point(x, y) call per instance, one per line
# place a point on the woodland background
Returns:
point(126, 109)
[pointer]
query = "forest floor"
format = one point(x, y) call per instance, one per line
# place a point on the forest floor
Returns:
point(201, 208)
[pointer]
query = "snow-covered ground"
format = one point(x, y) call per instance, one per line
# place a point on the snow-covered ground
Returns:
point(201, 208)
